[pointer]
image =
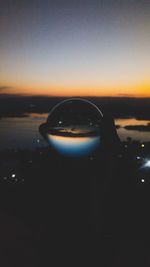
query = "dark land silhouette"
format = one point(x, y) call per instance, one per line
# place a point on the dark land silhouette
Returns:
point(41, 211)
point(44, 208)
point(118, 107)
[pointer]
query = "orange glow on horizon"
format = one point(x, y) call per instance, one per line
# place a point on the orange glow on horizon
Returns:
point(139, 90)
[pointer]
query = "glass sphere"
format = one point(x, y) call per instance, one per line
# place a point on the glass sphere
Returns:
point(73, 128)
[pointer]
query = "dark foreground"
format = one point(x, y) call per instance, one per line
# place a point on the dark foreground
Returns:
point(75, 213)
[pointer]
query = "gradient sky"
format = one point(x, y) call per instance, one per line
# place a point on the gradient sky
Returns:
point(75, 47)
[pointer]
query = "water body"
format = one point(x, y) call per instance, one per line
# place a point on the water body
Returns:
point(134, 134)
point(23, 132)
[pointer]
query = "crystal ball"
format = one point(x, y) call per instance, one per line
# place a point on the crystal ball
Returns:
point(73, 128)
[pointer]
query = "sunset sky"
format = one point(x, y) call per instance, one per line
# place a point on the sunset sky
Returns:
point(75, 47)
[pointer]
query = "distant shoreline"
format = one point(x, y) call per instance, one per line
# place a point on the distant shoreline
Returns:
point(116, 107)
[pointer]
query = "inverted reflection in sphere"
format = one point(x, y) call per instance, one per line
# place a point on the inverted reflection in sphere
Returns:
point(73, 128)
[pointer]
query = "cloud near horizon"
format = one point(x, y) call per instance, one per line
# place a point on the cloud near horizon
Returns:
point(4, 88)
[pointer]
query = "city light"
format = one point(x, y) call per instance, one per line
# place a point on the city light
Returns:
point(147, 164)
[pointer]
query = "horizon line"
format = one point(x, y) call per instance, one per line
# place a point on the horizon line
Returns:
point(72, 96)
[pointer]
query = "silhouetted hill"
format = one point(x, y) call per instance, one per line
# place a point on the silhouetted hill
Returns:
point(118, 107)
